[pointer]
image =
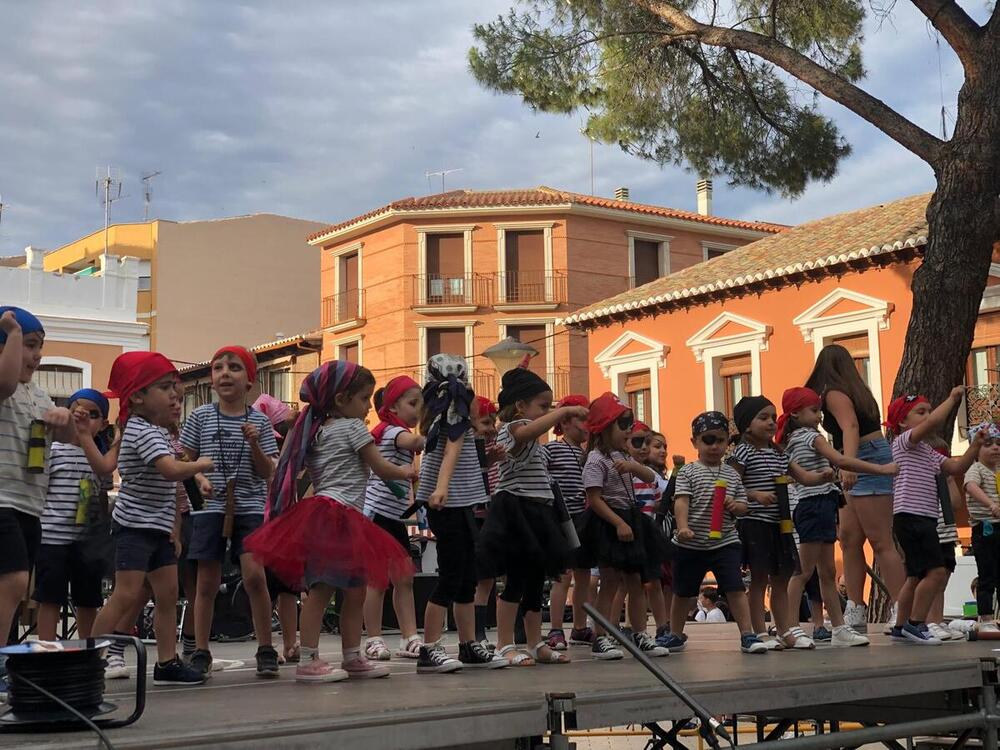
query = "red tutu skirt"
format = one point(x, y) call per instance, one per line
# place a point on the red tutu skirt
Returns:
point(320, 540)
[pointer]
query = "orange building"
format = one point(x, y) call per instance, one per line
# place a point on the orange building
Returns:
point(753, 320)
point(457, 271)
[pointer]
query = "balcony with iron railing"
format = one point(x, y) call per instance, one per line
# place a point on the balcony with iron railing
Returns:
point(540, 290)
point(487, 383)
point(450, 293)
point(982, 403)
point(344, 310)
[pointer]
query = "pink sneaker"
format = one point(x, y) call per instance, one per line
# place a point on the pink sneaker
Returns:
point(359, 668)
point(317, 670)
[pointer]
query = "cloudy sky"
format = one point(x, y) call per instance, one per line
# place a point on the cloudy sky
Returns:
point(323, 109)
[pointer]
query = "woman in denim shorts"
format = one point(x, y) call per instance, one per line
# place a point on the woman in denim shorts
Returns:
point(852, 419)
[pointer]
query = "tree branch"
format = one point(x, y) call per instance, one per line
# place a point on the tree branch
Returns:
point(863, 104)
point(753, 96)
point(954, 24)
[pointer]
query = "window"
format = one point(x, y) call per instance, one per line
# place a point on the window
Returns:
point(445, 341)
point(59, 381)
point(524, 264)
point(735, 374)
point(145, 283)
point(711, 250)
point(347, 307)
point(446, 279)
point(279, 384)
point(350, 352)
point(647, 261)
point(857, 345)
point(638, 395)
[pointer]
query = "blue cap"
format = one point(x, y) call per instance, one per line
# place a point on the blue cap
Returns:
point(28, 322)
point(92, 395)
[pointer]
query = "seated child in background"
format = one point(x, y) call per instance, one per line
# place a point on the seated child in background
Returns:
point(984, 516)
point(708, 606)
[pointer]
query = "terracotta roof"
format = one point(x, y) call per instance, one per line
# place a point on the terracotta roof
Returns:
point(531, 197)
point(807, 248)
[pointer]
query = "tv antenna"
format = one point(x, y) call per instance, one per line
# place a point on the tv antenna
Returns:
point(109, 189)
point(147, 192)
point(440, 173)
point(1, 208)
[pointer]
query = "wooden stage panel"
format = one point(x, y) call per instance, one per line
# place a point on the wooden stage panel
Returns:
point(236, 709)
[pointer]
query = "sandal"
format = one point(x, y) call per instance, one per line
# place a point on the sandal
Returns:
point(554, 657)
point(376, 650)
point(411, 648)
point(291, 655)
point(519, 659)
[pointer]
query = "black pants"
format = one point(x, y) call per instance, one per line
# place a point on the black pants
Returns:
point(987, 552)
point(455, 534)
point(525, 586)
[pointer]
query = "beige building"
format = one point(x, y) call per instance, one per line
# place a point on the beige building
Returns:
point(204, 284)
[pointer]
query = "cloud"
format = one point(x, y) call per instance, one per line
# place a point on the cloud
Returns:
point(324, 110)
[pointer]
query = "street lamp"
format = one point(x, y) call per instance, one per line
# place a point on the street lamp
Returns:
point(508, 354)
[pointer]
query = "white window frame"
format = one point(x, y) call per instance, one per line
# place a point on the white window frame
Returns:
point(707, 245)
point(86, 368)
point(356, 247)
point(423, 325)
point(821, 329)
point(550, 342)
point(517, 226)
point(356, 339)
point(616, 367)
point(466, 230)
point(663, 252)
point(709, 350)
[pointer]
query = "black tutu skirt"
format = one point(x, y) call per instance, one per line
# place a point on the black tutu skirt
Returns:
point(644, 555)
point(520, 531)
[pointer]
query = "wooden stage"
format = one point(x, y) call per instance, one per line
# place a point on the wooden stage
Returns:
point(884, 682)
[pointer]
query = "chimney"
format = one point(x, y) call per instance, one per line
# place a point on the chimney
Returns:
point(704, 191)
point(621, 194)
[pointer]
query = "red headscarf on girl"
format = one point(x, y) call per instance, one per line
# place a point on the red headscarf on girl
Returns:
point(244, 356)
point(793, 400)
point(133, 371)
point(483, 406)
point(899, 409)
point(604, 410)
point(394, 390)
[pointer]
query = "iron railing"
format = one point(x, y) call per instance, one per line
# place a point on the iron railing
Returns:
point(982, 403)
point(530, 287)
point(343, 307)
point(437, 290)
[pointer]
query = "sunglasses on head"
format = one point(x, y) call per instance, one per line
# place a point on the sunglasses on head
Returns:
point(625, 422)
point(638, 442)
point(711, 439)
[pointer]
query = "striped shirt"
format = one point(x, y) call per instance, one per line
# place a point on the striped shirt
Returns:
point(648, 494)
point(378, 497)
point(145, 499)
point(68, 469)
point(985, 478)
point(697, 482)
point(915, 487)
point(760, 467)
point(466, 486)
point(210, 433)
point(523, 470)
point(19, 489)
point(616, 489)
point(802, 451)
point(565, 465)
point(333, 462)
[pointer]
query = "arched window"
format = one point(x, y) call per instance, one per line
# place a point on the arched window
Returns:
point(61, 377)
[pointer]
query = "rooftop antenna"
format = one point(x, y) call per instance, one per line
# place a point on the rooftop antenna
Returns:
point(1, 208)
point(589, 137)
point(109, 189)
point(440, 173)
point(147, 192)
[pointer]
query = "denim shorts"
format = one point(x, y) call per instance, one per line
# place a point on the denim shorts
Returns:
point(874, 452)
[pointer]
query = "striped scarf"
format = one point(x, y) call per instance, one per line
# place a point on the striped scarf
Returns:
point(318, 391)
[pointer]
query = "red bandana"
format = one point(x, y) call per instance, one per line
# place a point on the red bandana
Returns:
point(394, 390)
point(132, 372)
point(243, 356)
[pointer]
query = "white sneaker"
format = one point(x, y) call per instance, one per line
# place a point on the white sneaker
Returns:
point(856, 616)
point(845, 636)
point(770, 642)
point(935, 629)
point(116, 669)
point(945, 633)
point(796, 638)
point(892, 619)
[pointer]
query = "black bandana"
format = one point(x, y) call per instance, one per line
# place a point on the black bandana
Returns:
point(708, 421)
point(746, 409)
point(520, 384)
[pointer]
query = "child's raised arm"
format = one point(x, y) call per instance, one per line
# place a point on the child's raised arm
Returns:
point(11, 358)
point(964, 462)
point(526, 433)
point(103, 464)
point(938, 417)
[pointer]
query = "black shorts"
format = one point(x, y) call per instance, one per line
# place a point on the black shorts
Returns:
point(917, 537)
point(948, 553)
point(142, 549)
point(691, 565)
point(62, 567)
point(187, 529)
point(394, 528)
point(207, 542)
point(816, 519)
point(20, 538)
point(764, 550)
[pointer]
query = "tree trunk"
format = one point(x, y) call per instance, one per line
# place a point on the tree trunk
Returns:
point(963, 224)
